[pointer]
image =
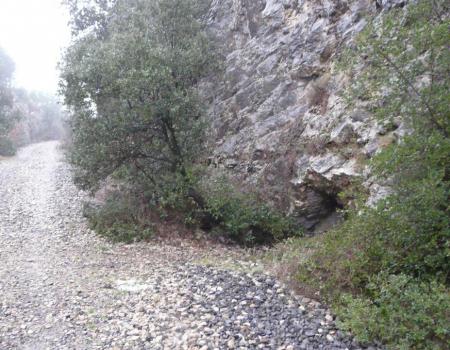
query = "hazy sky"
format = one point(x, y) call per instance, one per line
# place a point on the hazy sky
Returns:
point(33, 32)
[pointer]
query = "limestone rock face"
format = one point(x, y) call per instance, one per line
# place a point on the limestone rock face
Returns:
point(279, 123)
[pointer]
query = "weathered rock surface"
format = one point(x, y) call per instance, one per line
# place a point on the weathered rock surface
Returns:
point(279, 122)
point(61, 287)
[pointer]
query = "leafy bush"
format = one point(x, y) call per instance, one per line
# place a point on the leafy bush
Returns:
point(244, 218)
point(392, 260)
point(222, 210)
point(403, 234)
point(402, 312)
point(7, 147)
point(130, 80)
point(119, 219)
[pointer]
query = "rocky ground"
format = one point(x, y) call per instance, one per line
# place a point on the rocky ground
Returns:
point(61, 287)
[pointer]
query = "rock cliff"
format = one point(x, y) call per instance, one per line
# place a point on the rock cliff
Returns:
point(279, 121)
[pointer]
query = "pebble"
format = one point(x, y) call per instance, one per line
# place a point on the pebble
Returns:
point(63, 287)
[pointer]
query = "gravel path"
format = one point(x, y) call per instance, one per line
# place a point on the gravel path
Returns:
point(61, 287)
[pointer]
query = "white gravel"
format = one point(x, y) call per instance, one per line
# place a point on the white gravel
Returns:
point(62, 287)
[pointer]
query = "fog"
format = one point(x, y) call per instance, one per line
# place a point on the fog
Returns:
point(33, 33)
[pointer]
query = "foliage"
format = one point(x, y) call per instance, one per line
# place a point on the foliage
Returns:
point(7, 147)
point(225, 211)
point(39, 117)
point(401, 235)
point(120, 219)
point(25, 117)
point(6, 103)
point(393, 258)
point(129, 80)
point(6, 97)
point(406, 312)
point(404, 69)
point(244, 218)
point(400, 66)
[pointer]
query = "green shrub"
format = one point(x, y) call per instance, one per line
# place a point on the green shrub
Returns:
point(145, 122)
point(403, 313)
point(7, 147)
point(119, 219)
point(403, 234)
point(391, 262)
point(220, 209)
point(244, 218)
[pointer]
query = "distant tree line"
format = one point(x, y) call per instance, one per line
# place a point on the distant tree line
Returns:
point(25, 117)
point(6, 102)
